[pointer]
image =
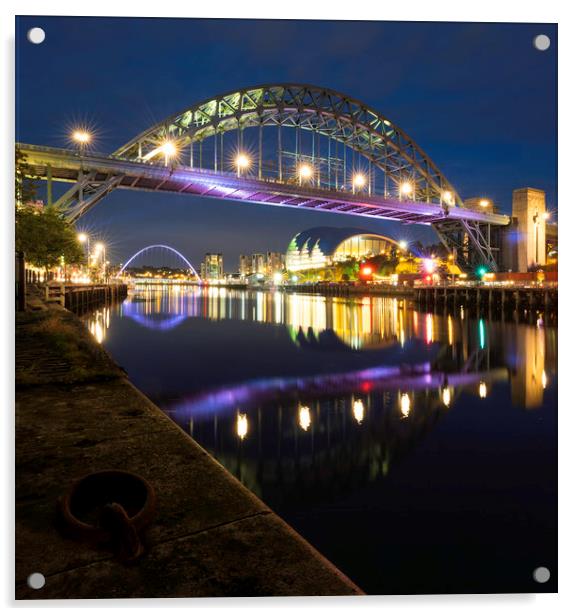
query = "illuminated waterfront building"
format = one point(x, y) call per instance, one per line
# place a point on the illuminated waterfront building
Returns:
point(245, 265)
point(274, 262)
point(258, 263)
point(212, 267)
point(321, 246)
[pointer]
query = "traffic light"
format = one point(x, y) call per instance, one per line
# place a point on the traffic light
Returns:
point(481, 271)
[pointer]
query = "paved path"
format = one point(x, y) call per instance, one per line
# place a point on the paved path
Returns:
point(211, 536)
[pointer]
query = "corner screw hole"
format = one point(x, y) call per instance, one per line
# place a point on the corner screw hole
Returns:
point(541, 575)
point(36, 35)
point(36, 581)
point(542, 42)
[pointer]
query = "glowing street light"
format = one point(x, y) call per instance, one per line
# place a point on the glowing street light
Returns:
point(83, 238)
point(305, 172)
point(242, 162)
point(359, 181)
point(448, 197)
point(169, 150)
point(406, 189)
point(82, 137)
point(484, 203)
point(429, 266)
point(546, 215)
point(403, 245)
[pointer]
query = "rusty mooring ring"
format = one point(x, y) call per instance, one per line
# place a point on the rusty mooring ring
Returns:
point(97, 496)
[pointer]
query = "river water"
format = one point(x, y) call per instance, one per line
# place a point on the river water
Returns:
point(417, 451)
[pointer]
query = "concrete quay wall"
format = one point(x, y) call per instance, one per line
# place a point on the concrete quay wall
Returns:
point(77, 413)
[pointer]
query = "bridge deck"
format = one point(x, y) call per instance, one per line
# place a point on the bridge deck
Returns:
point(66, 165)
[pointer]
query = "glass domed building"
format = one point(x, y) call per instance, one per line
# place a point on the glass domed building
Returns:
point(319, 247)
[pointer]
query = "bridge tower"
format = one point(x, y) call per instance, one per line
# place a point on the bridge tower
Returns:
point(525, 243)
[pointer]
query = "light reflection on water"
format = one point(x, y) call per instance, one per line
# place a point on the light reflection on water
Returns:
point(315, 403)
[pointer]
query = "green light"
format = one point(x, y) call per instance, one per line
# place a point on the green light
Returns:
point(481, 271)
point(482, 333)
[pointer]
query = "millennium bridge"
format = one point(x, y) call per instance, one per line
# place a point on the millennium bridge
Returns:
point(285, 145)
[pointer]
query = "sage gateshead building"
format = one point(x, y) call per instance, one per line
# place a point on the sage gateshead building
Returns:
point(322, 246)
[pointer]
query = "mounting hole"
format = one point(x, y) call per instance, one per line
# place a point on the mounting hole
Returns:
point(542, 42)
point(36, 581)
point(36, 35)
point(541, 575)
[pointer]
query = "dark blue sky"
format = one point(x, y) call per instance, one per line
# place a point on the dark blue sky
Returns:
point(477, 97)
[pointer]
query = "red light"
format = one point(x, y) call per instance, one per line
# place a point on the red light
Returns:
point(428, 279)
point(367, 271)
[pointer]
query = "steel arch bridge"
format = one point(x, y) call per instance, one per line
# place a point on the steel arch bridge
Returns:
point(359, 163)
point(162, 247)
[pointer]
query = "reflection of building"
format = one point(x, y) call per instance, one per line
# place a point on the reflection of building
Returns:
point(530, 380)
point(212, 267)
point(321, 246)
point(274, 262)
point(245, 266)
point(258, 263)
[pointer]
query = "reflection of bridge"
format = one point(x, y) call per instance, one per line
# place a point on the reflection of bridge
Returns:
point(421, 377)
point(285, 145)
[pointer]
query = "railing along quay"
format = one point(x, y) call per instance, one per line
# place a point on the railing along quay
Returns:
point(80, 298)
point(505, 297)
point(351, 289)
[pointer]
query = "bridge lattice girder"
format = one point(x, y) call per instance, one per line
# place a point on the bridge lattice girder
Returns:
point(320, 110)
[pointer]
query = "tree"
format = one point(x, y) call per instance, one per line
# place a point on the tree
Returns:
point(46, 237)
point(26, 187)
point(42, 234)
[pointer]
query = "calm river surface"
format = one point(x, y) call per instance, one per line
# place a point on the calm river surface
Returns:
point(416, 451)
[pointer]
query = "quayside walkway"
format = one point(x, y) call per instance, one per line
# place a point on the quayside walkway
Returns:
point(77, 413)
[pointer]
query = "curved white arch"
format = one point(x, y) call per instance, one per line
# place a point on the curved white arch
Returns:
point(179, 254)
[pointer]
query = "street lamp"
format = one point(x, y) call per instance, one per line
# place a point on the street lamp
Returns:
point(405, 189)
point(403, 245)
point(81, 137)
point(242, 162)
point(305, 172)
point(100, 252)
point(359, 181)
point(83, 238)
point(169, 150)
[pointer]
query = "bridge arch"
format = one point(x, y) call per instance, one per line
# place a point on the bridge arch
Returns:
point(322, 111)
point(162, 246)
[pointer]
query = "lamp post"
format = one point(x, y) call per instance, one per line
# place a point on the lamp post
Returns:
point(536, 224)
point(84, 239)
point(242, 163)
